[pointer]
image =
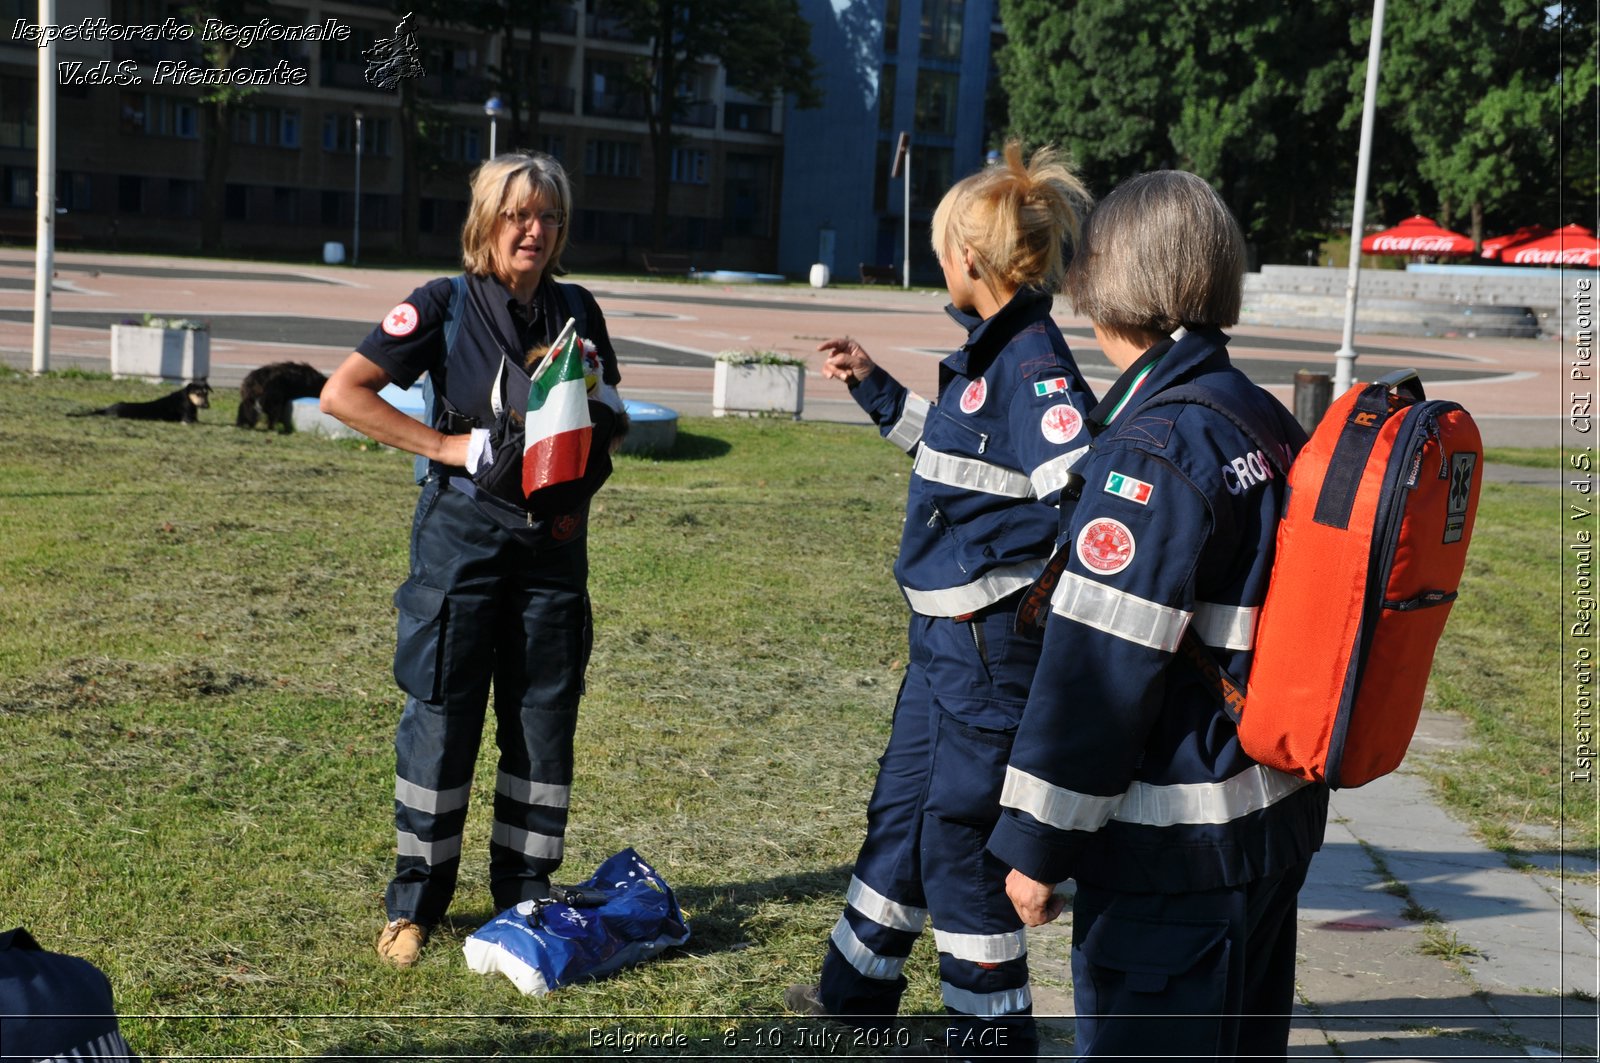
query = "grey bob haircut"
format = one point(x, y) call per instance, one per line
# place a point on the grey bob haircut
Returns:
point(1162, 250)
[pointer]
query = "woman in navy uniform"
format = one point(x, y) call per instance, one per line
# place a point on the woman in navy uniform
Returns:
point(1126, 774)
point(990, 458)
point(497, 590)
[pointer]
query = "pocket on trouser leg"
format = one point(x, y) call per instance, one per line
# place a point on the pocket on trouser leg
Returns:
point(969, 767)
point(1149, 988)
point(419, 640)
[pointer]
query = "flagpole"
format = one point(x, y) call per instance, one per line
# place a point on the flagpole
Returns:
point(550, 356)
point(1345, 359)
point(44, 245)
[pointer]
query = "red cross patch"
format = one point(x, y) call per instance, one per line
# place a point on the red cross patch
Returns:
point(401, 321)
point(1061, 423)
point(972, 398)
point(1106, 545)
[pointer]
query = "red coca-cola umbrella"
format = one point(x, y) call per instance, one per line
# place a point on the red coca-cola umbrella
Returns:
point(1416, 236)
point(1570, 245)
point(1496, 244)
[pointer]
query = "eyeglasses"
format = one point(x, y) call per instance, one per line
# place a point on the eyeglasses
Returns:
point(524, 219)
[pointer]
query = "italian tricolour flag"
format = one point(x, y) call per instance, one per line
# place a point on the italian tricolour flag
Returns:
point(558, 426)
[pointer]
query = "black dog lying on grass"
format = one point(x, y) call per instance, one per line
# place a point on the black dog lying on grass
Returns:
point(270, 391)
point(183, 406)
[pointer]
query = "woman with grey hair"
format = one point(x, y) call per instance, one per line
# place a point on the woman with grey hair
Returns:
point(1126, 774)
point(498, 582)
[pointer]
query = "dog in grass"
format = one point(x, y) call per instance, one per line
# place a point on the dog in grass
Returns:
point(270, 392)
point(182, 406)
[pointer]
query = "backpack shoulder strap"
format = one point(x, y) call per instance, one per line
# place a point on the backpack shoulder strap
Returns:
point(1198, 393)
point(573, 298)
point(455, 313)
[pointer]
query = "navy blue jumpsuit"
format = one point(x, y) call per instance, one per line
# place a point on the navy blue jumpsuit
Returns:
point(1126, 773)
point(493, 594)
point(990, 458)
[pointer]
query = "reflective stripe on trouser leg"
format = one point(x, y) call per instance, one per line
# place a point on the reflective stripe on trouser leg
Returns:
point(539, 664)
point(884, 907)
point(983, 965)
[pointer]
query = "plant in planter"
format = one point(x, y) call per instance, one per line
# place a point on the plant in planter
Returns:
point(754, 383)
point(161, 348)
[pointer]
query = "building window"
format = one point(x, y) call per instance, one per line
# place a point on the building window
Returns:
point(277, 127)
point(181, 197)
point(936, 102)
point(554, 145)
point(130, 194)
point(689, 166)
point(285, 206)
point(19, 188)
point(18, 125)
point(941, 28)
point(463, 144)
point(932, 173)
point(73, 191)
point(891, 27)
point(236, 203)
point(747, 195)
point(611, 158)
point(608, 91)
point(886, 85)
point(339, 134)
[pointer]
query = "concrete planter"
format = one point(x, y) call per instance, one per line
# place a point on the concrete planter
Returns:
point(171, 354)
point(755, 388)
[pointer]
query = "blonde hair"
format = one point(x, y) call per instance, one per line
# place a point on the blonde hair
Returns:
point(507, 181)
point(1014, 218)
point(1162, 250)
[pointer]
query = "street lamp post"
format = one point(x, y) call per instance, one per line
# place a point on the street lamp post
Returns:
point(494, 109)
point(355, 244)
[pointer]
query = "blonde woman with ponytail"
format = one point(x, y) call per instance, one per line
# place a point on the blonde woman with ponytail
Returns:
point(990, 455)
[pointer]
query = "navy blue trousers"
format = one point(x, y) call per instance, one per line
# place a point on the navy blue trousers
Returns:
point(936, 799)
point(486, 601)
point(1206, 975)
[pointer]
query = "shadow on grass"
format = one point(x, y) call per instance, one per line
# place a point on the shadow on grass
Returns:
point(690, 447)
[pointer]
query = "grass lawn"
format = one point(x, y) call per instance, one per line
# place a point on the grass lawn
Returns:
point(196, 716)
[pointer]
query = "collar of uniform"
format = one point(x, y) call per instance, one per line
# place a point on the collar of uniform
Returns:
point(1157, 368)
point(18, 938)
point(987, 336)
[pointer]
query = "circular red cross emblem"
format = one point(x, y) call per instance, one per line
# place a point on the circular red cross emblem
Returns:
point(401, 321)
point(972, 398)
point(1061, 423)
point(1106, 545)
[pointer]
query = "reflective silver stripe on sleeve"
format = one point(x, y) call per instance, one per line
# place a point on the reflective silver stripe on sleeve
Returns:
point(1146, 804)
point(1119, 613)
point(544, 794)
point(1003, 1002)
point(907, 431)
point(863, 959)
point(982, 948)
point(970, 473)
point(1052, 475)
point(1227, 627)
point(1055, 805)
point(433, 802)
point(526, 842)
point(988, 589)
point(881, 910)
point(436, 852)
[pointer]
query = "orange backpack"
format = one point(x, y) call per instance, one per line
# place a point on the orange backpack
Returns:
point(1369, 556)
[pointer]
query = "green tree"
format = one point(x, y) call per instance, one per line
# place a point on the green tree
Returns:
point(1243, 92)
point(219, 104)
point(765, 46)
point(1472, 88)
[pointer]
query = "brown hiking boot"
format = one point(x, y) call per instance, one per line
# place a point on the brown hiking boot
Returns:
point(401, 942)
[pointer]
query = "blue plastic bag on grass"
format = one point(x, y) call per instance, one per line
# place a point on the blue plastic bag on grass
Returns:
point(543, 945)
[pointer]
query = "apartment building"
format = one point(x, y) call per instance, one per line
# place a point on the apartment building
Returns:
point(133, 150)
point(922, 67)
